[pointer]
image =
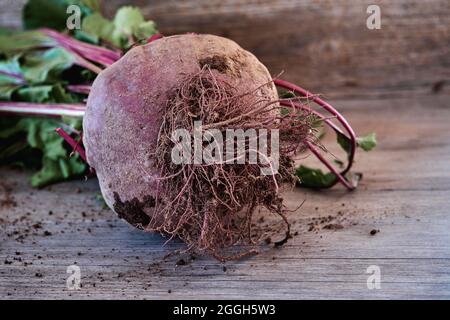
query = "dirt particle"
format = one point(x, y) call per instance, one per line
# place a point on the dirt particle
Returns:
point(132, 211)
point(181, 262)
point(215, 62)
point(333, 226)
point(374, 232)
point(7, 199)
point(438, 86)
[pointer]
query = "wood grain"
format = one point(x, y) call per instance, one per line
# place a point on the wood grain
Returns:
point(404, 195)
point(322, 45)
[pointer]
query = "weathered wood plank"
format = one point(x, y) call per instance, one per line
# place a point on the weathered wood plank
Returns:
point(404, 195)
point(323, 45)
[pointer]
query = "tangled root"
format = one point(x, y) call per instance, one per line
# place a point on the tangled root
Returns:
point(210, 206)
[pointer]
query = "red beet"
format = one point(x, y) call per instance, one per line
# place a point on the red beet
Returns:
point(135, 104)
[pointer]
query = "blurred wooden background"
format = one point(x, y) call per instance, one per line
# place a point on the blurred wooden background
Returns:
point(323, 45)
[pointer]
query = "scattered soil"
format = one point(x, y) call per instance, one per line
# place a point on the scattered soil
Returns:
point(333, 226)
point(330, 222)
point(133, 211)
point(6, 196)
point(216, 62)
point(181, 262)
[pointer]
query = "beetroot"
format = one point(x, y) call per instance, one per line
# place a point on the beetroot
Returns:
point(145, 107)
point(136, 104)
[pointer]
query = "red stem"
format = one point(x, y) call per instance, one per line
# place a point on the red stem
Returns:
point(42, 109)
point(84, 51)
point(18, 77)
point(74, 144)
point(79, 88)
point(82, 46)
point(311, 147)
point(352, 137)
point(289, 103)
point(155, 37)
point(329, 166)
point(84, 63)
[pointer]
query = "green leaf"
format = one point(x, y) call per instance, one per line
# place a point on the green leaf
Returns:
point(367, 142)
point(57, 170)
point(46, 65)
point(22, 41)
point(145, 30)
point(10, 74)
point(9, 70)
point(94, 5)
point(99, 27)
point(101, 200)
point(340, 163)
point(56, 165)
point(354, 178)
point(6, 31)
point(286, 95)
point(127, 20)
point(86, 37)
point(130, 25)
point(344, 142)
point(7, 90)
point(315, 178)
point(46, 94)
point(76, 123)
point(60, 95)
point(37, 94)
point(53, 13)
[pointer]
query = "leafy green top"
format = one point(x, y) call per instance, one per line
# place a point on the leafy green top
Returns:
point(35, 68)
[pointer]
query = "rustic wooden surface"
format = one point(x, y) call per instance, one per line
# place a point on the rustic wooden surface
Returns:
point(393, 81)
point(405, 195)
point(324, 45)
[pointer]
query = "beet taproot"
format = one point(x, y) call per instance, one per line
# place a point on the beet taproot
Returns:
point(136, 103)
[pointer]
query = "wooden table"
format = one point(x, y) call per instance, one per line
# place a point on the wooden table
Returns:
point(405, 195)
point(393, 81)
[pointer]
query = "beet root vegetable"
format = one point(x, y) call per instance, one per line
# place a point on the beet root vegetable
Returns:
point(135, 105)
